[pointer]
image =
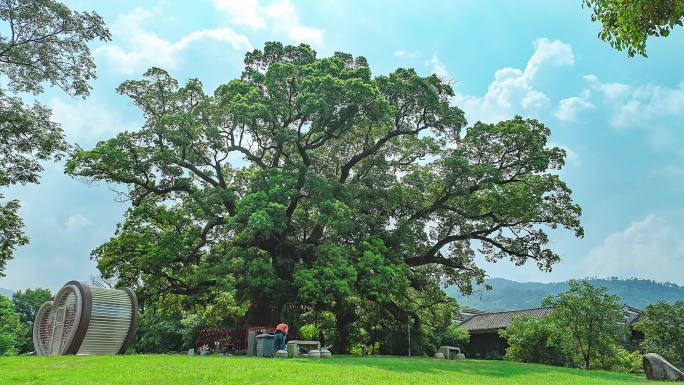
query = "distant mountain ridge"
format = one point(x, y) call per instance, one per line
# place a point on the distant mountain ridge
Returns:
point(7, 293)
point(510, 295)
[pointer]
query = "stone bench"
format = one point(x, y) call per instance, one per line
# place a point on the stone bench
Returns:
point(451, 352)
point(294, 346)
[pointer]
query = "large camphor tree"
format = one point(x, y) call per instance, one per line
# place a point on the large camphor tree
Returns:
point(309, 182)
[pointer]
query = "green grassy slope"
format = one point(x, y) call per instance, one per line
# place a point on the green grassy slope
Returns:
point(186, 370)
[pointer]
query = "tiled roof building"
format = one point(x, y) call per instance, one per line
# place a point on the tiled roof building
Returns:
point(493, 322)
point(484, 327)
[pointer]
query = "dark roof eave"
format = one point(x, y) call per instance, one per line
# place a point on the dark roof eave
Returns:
point(484, 331)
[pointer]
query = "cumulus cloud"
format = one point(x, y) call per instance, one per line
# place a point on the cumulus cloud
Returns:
point(146, 49)
point(512, 92)
point(649, 104)
point(546, 52)
point(649, 249)
point(568, 108)
point(534, 99)
point(280, 16)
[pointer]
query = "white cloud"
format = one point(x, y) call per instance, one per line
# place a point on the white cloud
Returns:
point(512, 92)
point(87, 122)
point(402, 53)
point(648, 105)
point(535, 99)
point(568, 108)
point(280, 16)
point(554, 53)
point(658, 109)
point(245, 12)
point(648, 249)
point(612, 91)
point(509, 85)
point(655, 109)
point(225, 34)
point(438, 68)
point(146, 49)
point(75, 223)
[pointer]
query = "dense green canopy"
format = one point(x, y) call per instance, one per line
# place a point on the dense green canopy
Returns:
point(593, 318)
point(663, 328)
point(26, 306)
point(308, 181)
point(626, 24)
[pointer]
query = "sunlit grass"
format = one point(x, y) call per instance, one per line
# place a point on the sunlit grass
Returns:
point(183, 369)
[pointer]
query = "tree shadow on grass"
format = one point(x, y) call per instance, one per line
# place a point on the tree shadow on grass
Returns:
point(479, 368)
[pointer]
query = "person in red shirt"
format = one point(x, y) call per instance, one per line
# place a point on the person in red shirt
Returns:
point(279, 337)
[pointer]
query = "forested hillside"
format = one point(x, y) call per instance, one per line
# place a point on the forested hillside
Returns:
point(511, 295)
point(7, 293)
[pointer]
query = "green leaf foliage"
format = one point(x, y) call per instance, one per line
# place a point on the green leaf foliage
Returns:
point(27, 302)
point(26, 305)
point(308, 182)
point(454, 336)
point(160, 332)
point(615, 358)
point(538, 340)
point(43, 42)
point(12, 332)
point(663, 328)
point(592, 316)
point(541, 340)
point(11, 234)
point(626, 24)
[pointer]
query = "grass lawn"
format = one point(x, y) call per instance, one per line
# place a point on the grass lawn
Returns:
point(186, 370)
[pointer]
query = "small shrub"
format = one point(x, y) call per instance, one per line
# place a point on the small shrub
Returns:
point(537, 340)
point(454, 336)
point(629, 362)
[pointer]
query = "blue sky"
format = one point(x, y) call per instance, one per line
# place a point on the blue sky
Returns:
point(620, 119)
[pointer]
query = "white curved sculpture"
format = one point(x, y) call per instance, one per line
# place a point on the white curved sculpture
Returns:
point(86, 321)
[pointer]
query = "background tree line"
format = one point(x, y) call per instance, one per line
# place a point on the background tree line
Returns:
point(510, 295)
point(587, 329)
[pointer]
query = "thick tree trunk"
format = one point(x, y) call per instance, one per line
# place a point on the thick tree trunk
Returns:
point(587, 359)
point(261, 314)
point(344, 318)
